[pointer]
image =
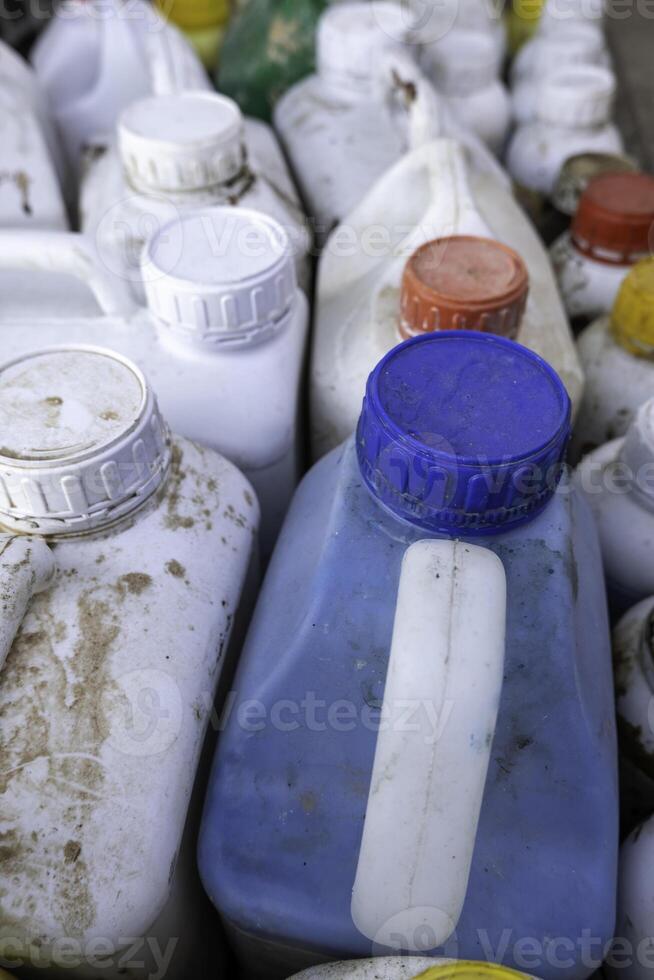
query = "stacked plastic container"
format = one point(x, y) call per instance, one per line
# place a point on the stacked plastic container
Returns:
point(395, 755)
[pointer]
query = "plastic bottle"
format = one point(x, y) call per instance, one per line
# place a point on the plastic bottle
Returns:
point(178, 153)
point(30, 195)
point(430, 194)
point(367, 105)
point(441, 24)
point(546, 55)
point(121, 52)
point(631, 956)
point(574, 177)
point(465, 71)
point(349, 775)
point(617, 481)
point(108, 686)
point(633, 640)
point(610, 232)
point(573, 115)
point(222, 338)
point(203, 24)
point(268, 47)
point(617, 353)
point(408, 968)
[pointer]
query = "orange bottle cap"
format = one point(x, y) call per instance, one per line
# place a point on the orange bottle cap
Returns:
point(463, 283)
point(615, 217)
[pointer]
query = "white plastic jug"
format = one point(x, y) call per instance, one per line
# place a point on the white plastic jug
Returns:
point(120, 50)
point(573, 115)
point(177, 153)
point(30, 194)
point(618, 481)
point(430, 194)
point(633, 647)
point(408, 968)
point(611, 231)
point(222, 338)
point(632, 955)
point(617, 354)
point(439, 23)
point(464, 70)
point(545, 55)
point(108, 685)
point(368, 104)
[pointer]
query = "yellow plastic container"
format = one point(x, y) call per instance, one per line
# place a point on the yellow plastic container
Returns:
point(632, 320)
point(522, 20)
point(194, 15)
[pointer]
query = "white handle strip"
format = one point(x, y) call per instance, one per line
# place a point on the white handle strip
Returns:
point(438, 721)
point(70, 254)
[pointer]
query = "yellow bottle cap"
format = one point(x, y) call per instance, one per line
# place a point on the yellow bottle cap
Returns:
point(195, 14)
point(470, 970)
point(632, 320)
point(522, 21)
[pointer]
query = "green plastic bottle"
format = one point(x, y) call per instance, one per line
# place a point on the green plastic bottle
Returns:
point(269, 45)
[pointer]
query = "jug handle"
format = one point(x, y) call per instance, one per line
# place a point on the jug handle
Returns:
point(27, 566)
point(67, 253)
point(433, 750)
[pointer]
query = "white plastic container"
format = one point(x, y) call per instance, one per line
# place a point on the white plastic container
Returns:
point(439, 23)
point(109, 682)
point(633, 647)
point(618, 480)
point(635, 924)
point(611, 231)
point(30, 195)
point(120, 51)
point(464, 69)
point(545, 55)
point(408, 968)
point(617, 354)
point(368, 104)
point(177, 153)
point(222, 339)
point(573, 115)
point(432, 193)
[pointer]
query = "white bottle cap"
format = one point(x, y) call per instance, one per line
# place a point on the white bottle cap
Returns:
point(351, 37)
point(184, 142)
point(579, 96)
point(463, 62)
point(221, 275)
point(83, 442)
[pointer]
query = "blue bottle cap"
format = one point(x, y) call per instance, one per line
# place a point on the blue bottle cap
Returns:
point(463, 432)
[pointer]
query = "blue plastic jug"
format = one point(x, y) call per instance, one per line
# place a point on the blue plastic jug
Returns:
point(461, 438)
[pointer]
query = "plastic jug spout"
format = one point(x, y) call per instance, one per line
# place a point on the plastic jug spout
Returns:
point(27, 567)
point(445, 669)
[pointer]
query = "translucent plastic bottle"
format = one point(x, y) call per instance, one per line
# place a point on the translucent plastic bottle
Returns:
point(633, 648)
point(618, 482)
point(573, 115)
point(464, 69)
point(431, 193)
point(30, 194)
point(108, 685)
point(362, 736)
point(366, 106)
point(120, 53)
point(222, 337)
point(178, 153)
point(635, 926)
point(610, 232)
point(617, 353)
